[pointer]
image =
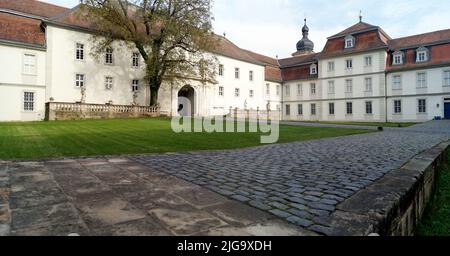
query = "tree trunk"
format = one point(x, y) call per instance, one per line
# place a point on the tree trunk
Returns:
point(153, 96)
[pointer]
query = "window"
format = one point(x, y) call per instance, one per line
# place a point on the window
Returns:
point(287, 92)
point(221, 70)
point(422, 104)
point(421, 80)
point(398, 58)
point(300, 109)
point(349, 64)
point(299, 90)
point(397, 106)
point(236, 73)
point(79, 80)
point(135, 85)
point(348, 86)
point(288, 110)
point(369, 87)
point(252, 93)
point(313, 109)
point(313, 89)
point(349, 42)
point(349, 108)
point(369, 110)
point(29, 64)
point(447, 78)
point(422, 54)
point(109, 82)
point(28, 101)
point(278, 90)
point(109, 56)
point(331, 108)
point(313, 69)
point(250, 75)
point(331, 66)
point(221, 91)
point(268, 89)
point(397, 82)
point(368, 61)
point(136, 60)
point(331, 88)
point(237, 92)
point(79, 51)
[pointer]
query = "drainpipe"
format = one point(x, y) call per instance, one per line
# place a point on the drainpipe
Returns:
point(385, 96)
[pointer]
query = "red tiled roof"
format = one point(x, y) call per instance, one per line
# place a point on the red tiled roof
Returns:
point(299, 60)
point(33, 7)
point(20, 29)
point(419, 40)
point(361, 26)
point(273, 74)
point(264, 59)
point(440, 55)
point(297, 73)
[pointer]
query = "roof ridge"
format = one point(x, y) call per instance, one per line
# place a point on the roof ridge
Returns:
point(65, 13)
point(47, 3)
point(422, 34)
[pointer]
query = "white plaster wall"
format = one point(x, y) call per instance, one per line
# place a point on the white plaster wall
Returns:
point(378, 64)
point(13, 83)
point(62, 68)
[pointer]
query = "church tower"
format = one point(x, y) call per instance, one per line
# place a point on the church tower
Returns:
point(304, 46)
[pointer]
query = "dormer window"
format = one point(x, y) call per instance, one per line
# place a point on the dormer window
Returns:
point(422, 54)
point(349, 42)
point(313, 69)
point(398, 58)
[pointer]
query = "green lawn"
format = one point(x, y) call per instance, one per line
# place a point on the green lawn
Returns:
point(131, 136)
point(382, 124)
point(437, 218)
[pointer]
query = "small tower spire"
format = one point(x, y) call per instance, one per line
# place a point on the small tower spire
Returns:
point(360, 15)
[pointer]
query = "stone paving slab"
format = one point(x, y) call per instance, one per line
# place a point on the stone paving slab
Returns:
point(303, 182)
point(119, 197)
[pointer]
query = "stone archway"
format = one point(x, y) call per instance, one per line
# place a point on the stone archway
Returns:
point(186, 101)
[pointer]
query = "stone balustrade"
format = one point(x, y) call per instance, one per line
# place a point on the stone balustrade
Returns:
point(78, 111)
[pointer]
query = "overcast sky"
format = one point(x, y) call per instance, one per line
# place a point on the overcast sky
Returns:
point(273, 27)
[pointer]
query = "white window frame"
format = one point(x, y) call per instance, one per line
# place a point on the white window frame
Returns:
point(221, 70)
point(422, 55)
point(313, 109)
point(221, 91)
point(330, 66)
point(135, 85)
point(369, 106)
point(397, 58)
point(368, 61)
point(136, 60)
point(109, 83)
point(368, 82)
point(237, 73)
point(421, 83)
point(446, 78)
point(397, 84)
point(331, 108)
point(299, 89)
point(331, 87)
point(237, 92)
point(268, 89)
point(313, 69)
point(349, 108)
point(80, 83)
point(300, 109)
point(109, 56)
point(422, 109)
point(26, 101)
point(287, 91)
point(251, 93)
point(313, 89)
point(80, 53)
point(288, 110)
point(349, 86)
point(398, 108)
point(29, 67)
point(278, 90)
point(349, 42)
point(349, 64)
point(251, 76)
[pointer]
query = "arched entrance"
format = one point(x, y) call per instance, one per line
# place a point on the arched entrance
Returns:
point(186, 101)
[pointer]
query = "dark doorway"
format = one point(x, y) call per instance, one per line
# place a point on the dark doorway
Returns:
point(186, 101)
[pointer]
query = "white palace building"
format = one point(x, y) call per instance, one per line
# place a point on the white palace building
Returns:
point(362, 74)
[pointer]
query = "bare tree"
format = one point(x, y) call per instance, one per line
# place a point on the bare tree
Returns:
point(174, 37)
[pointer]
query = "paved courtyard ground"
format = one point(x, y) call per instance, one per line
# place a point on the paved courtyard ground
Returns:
point(285, 189)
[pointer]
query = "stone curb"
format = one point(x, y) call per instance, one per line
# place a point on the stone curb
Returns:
point(393, 205)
